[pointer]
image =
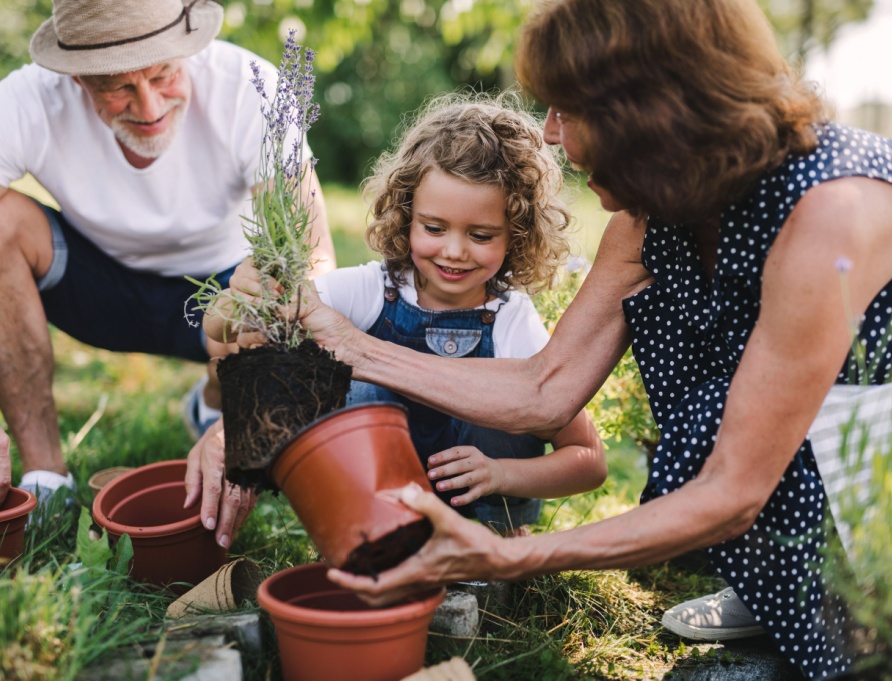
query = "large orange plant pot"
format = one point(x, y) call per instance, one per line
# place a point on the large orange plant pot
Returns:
point(14, 513)
point(169, 542)
point(341, 475)
point(326, 632)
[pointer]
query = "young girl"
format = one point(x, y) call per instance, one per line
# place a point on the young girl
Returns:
point(464, 213)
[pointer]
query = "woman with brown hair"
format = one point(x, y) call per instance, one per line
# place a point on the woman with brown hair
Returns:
point(737, 203)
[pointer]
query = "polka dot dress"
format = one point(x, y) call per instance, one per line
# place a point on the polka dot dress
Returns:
point(688, 337)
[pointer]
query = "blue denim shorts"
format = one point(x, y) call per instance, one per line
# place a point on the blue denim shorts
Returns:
point(100, 302)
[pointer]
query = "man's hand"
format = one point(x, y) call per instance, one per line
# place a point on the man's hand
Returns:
point(224, 506)
point(5, 466)
point(465, 466)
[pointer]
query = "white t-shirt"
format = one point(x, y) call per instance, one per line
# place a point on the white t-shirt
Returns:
point(181, 215)
point(358, 294)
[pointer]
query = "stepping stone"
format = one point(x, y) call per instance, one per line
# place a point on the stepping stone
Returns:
point(747, 659)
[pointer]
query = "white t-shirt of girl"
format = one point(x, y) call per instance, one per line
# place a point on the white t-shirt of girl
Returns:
point(180, 215)
point(358, 294)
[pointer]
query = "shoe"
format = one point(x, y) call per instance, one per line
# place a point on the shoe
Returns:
point(197, 416)
point(54, 492)
point(44, 484)
point(718, 617)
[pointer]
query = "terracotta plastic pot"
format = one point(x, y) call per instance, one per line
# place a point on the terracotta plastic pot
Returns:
point(169, 542)
point(101, 478)
point(13, 515)
point(341, 475)
point(326, 632)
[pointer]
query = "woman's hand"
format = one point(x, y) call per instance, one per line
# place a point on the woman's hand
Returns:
point(458, 550)
point(224, 506)
point(465, 466)
point(328, 327)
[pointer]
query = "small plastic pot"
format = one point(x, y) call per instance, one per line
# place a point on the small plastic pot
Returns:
point(169, 542)
point(326, 632)
point(341, 475)
point(14, 513)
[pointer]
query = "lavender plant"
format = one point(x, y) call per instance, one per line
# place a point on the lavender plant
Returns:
point(279, 233)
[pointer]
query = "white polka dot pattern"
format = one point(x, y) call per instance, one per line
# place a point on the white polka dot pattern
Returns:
point(688, 336)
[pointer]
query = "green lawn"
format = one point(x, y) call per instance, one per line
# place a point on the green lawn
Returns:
point(124, 409)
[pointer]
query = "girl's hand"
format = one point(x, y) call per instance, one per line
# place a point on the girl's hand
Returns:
point(246, 281)
point(458, 550)
point(246, 285)
point(465, 466)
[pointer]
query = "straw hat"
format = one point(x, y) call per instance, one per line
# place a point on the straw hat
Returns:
point(102, 37)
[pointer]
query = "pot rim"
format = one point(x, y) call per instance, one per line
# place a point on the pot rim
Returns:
point(136, 531)
point(26, 502)
point(425, 603)
point(100, 475)
point(321, 420)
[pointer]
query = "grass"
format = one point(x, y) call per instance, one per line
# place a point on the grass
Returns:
point(124, 409)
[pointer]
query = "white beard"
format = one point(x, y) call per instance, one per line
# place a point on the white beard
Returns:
point(150, 146)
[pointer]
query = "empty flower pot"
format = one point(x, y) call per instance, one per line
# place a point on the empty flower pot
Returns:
point(326, 632)
point(169, 542)
point(341, 475)
point(101, 478)
point(13, 515)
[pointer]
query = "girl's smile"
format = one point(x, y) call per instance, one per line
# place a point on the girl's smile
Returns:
point(458, 239)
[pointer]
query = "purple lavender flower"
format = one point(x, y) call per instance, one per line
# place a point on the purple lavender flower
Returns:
point(280, 230)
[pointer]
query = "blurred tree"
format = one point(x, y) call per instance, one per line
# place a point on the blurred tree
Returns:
point(378, 59)
point(803, 25)
point(18, 21)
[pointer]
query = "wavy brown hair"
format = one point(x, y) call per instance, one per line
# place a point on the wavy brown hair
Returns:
point(484, 139)
point(685, 102)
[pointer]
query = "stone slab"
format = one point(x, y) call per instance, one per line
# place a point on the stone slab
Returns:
point(748, 659)
point(242, 629)
point(495, 596)
point(204, 659)
point(457, 615)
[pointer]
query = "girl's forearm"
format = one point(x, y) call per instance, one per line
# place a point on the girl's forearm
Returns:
point(569, 470)
point(214, 321)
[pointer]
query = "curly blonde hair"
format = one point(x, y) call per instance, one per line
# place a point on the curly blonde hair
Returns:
point(484, 139)
point(685, 102)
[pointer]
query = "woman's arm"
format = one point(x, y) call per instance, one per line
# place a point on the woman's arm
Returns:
point(791, 360)
point(576, 465)
point(538, 395)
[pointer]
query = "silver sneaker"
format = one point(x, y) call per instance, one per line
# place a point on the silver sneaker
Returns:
point(194, 425)
point(717, 617)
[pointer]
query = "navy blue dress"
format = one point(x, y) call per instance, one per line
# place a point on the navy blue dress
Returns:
point(688, 337)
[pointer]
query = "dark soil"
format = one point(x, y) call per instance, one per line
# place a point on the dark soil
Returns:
point(372, 558)
point(269, 395)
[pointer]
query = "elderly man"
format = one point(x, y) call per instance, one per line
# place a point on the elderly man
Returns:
point(147, 132)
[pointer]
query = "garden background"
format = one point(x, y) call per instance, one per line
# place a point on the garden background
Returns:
point(377, 60)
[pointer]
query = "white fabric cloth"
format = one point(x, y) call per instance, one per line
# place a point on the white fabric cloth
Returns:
point(850, 418)
point(181, 215)
point(358, 294)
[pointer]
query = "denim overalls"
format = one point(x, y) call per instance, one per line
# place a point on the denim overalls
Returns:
point(451, 333)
